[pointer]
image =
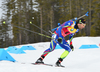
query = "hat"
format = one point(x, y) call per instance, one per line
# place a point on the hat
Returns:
point(80, 21)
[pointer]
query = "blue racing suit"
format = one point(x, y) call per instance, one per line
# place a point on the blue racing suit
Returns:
point(67, 28)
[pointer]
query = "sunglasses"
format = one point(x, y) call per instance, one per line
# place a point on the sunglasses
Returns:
point(84, 24)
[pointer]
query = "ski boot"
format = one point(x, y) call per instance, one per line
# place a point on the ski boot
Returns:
point(40, 60)
point(58, 63)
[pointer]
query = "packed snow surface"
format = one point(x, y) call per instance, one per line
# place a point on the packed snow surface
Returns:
point(79, 60)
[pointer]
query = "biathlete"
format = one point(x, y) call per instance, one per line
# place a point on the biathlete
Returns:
point(67, 28)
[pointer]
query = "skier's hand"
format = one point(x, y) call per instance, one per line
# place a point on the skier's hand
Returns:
point(59, 40)
point(71, 46)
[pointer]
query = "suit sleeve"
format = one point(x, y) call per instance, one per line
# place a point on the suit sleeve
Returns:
point(70, 38)
point(59, 33)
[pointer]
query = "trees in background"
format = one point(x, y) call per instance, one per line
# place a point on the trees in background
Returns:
point(45, 14)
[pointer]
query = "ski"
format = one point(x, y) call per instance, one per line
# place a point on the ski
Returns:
point(42, 64)
point(60, 66)
point(47, 65)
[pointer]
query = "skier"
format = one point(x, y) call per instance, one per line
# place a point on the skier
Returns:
point(67, 28)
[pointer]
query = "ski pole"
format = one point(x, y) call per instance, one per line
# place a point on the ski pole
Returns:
point(33, 31)
point(50, 32)
point(40, 28)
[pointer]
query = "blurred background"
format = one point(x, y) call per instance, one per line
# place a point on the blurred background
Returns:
point(46, 14)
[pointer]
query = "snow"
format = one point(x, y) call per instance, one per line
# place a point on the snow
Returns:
point(79, 60)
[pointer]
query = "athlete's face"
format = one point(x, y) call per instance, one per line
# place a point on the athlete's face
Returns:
point(81, 26)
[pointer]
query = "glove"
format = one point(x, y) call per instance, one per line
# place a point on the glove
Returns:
point(59, 40)
point(71, 46)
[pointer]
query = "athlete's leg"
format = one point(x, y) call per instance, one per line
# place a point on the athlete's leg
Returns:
point(67, 48)
point(52, 47)
point(46, 52)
